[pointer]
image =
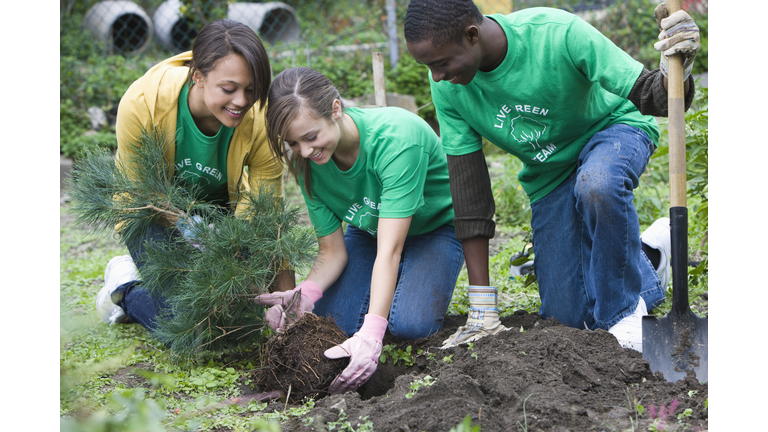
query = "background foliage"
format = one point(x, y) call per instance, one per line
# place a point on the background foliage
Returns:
point(335, 37)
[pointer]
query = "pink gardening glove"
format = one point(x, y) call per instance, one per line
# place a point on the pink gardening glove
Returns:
point(364, 348)
point(289, 306)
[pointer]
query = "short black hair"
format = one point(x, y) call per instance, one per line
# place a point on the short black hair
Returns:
point(439, 21)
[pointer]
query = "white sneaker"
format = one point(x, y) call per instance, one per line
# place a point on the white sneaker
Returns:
point(120, 270)
point(658, 236)
point(629, 331)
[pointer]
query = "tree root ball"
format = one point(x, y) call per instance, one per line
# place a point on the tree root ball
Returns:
point(294, 359)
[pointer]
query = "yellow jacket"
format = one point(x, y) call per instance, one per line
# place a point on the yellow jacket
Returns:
point(151, 103)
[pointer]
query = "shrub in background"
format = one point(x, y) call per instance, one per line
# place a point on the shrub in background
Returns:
point(630, 24)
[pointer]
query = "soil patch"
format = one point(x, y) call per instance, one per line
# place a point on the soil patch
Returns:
point(537, 376)
point(294, 361)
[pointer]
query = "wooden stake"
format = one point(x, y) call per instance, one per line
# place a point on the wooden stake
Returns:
point(379, 89)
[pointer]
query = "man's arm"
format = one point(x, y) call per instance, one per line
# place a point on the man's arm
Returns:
point(474, 208)
point(679, 36)
point(649, 94)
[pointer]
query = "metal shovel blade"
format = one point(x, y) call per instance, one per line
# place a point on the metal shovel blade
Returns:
point(676, 345)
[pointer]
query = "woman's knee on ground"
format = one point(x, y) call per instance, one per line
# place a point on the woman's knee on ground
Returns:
point(414, 328)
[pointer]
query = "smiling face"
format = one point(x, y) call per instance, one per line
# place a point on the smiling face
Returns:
point(315, 138)
point(453, 62)
point(223, 96)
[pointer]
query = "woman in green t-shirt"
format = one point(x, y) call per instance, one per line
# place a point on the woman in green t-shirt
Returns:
point(383, 171)
point(209, 101)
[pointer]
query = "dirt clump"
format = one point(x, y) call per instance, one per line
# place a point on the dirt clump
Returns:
point(293, 360)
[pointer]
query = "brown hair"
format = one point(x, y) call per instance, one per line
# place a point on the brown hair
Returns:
point(292, 92)
point(223, 37)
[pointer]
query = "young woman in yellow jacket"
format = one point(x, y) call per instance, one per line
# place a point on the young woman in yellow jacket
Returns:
point(209, 103)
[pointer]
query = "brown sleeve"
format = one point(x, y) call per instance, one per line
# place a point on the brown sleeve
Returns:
point(650, 97)
point(472, 196)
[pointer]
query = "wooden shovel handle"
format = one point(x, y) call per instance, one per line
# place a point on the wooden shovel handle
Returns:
point(678, 211)
point(675, 89)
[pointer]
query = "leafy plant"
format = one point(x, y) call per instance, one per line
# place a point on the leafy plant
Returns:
point(411, 78)
point(80, 145)
point(98, 81)
point(471, 347)
point(343, 424)
point(198, 15)
point(391, 351)
point(465, 426)
point(427, 381)
point(512, 204)
point(138, 413)
point(635, 404)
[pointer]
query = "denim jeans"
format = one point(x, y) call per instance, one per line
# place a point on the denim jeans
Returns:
point(586, 236)
point(429, 266)
point(139, 303)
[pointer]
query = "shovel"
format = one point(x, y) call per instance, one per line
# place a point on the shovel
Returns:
point(676, 344)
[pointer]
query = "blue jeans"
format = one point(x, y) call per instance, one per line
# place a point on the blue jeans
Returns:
point(139, 303)
point(586, 236)
point(429, 266)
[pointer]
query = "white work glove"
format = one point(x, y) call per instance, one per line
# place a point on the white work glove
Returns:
point(483, 317)
point(679, 35)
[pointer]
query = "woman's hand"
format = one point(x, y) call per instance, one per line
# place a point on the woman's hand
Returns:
point(289, 306)
point(363, 349)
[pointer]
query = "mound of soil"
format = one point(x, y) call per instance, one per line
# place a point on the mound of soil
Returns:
point(294, 362)
point(537, 376)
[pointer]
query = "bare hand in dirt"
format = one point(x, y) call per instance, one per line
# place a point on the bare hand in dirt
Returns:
point(289, 306)
point(363, 349)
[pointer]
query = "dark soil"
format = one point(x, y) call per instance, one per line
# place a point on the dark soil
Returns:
point(293, 361)
point(537, 376)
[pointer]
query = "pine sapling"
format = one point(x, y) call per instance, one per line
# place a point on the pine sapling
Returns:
point(207, 278)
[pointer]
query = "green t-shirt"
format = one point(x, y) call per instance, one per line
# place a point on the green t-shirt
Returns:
point(560, 83)
point(400, 171)
point(202, 159)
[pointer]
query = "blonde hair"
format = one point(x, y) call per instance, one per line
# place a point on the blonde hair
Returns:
point(292, 92)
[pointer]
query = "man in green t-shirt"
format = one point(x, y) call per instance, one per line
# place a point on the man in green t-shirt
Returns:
point(548, 88)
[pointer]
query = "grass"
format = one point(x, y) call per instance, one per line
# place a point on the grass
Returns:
point(113, 371)
point(120, 378)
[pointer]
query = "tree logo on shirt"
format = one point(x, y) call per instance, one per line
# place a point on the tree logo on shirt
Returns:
point(370, 224)
point(195, 178)
point(354, 211)
point(527, 130)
